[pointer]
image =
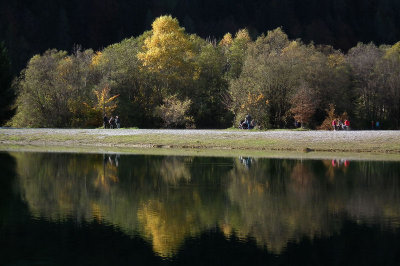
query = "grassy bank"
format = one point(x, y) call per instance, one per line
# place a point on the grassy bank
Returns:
point(285, 141)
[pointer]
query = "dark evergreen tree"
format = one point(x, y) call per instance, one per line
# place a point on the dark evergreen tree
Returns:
point(6, 91)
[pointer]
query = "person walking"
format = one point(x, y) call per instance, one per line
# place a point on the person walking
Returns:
point(117, 122)
point(105, 121)
point(247, 120)
point(334, 124)
point(340, 125)
point(112, 121)
point(347, 124)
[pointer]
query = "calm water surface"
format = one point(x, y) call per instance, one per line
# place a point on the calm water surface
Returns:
point(111, 209)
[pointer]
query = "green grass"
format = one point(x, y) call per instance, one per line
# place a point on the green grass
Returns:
point(212, 142)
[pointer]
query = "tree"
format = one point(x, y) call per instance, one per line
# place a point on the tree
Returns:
point(332, 81)
point(272, 69)
point(235, 52)
point(168, 52)
point(6, 91)
point(389, 69)
point(119, 66)
point(304, 105)
point(210, 88)
point(104, 104)
point(52, 88)
point(364, 59)
point(327, 123)
point(36, 95)
point(74, 81)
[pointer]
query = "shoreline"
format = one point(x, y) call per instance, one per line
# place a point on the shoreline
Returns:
point(205, 153)
point(386, 143)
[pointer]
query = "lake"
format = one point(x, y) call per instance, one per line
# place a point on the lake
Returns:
point(133, 209)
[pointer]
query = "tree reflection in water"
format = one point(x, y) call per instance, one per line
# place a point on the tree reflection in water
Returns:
point(168, 199)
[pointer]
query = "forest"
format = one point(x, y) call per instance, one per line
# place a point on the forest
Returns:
point(32, 27)
point(167, 77)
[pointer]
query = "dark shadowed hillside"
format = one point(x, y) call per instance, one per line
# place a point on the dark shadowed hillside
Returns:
point(30, 27)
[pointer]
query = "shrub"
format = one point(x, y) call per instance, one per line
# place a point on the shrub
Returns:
point(174, 113)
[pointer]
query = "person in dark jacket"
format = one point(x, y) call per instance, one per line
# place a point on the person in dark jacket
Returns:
point(112, 122)
point(105, 121)
point(247, 120)
point(117, 122)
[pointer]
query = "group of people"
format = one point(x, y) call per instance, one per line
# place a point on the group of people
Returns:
point(112, 122)
point(337, 124)
point(375, 125)
point(247, 123)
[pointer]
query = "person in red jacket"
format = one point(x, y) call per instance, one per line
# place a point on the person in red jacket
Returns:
point(347, 124)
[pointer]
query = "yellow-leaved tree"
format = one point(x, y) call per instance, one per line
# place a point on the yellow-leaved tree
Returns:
point(169, 53)
point(104, 104)
point(236, 52)
point(226, 40)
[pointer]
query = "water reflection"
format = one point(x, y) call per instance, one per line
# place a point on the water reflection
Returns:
point(168, 199)
point(246, 161)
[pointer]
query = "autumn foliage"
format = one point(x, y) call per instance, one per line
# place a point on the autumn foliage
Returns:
point(104, 104)
point(169, 78)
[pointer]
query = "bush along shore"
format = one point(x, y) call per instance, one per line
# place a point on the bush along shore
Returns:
point(274, 140)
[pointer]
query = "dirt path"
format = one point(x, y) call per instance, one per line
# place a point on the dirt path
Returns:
point(284, 134)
